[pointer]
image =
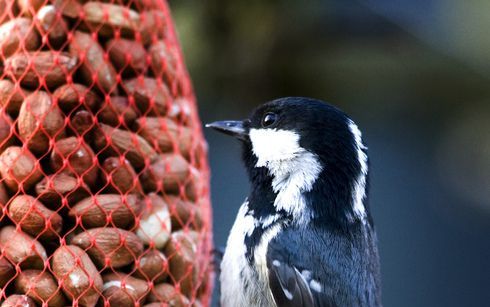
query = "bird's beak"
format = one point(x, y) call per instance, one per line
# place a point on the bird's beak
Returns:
point(234, 128)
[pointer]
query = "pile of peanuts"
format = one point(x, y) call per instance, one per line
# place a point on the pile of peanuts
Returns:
point(104, 184)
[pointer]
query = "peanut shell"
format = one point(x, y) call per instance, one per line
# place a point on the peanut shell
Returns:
point(4, 198)
point(165, 133)
point(7, 6)
point(107, 210)
point(77, 275)
point(81, 159)
point(16, 35)
point(68, 8)
point(12, 96)
point(20, 248)
point(19, 168)
point(17, 300)
point(121, 176)
point(123, 290)
point(54, 27)
point(39, 122)
point(74, 95)
point(61, 189)
point(113, 247)
point(117, 111)
point(181, 253)
point(151, 95)
point(169, 172)
point(124, 143)
point(180, 111)
point(184, 214)
point(95, 69)
point(153, 25)
point(166, 293)
point(30, 7)
point(39, 286)
point(82, 122)
point(152, 266)
point(106, 18)
point(7, 271)
point(128, 56)
point(47, 68)
point(164, 61)
point(7, 131)
point(34, 218)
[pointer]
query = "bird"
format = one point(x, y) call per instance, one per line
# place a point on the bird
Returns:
point(304, 235)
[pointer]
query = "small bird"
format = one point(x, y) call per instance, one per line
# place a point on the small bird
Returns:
point(304, 236)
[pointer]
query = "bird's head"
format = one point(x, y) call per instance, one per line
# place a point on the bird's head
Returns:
point(309, 155)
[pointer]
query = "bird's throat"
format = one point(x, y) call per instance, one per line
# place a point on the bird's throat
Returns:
point(291, 179)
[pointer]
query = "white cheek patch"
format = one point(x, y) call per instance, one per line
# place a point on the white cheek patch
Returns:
point(294, 169)
point(271, 145)
point(359, 192)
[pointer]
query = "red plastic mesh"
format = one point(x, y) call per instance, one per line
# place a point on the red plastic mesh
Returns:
point(104, 185)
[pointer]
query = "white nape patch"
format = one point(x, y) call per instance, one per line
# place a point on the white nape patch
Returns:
point(359, 192)
point(294, 169)
point(276, 263)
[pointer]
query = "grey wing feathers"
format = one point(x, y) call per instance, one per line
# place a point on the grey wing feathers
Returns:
point(310, 268)
point(288, 286)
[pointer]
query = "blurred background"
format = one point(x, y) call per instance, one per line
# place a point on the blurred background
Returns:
point(414, 75)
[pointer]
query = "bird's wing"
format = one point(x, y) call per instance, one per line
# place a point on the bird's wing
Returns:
point(294, 267)
point(288, 286)
point(313, 267)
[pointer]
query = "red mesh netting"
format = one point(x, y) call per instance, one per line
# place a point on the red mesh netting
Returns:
point(104, 178)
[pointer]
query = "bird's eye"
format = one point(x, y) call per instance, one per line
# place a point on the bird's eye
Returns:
point(269, 119)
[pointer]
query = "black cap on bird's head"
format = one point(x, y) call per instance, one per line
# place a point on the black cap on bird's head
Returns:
point(303, 148)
